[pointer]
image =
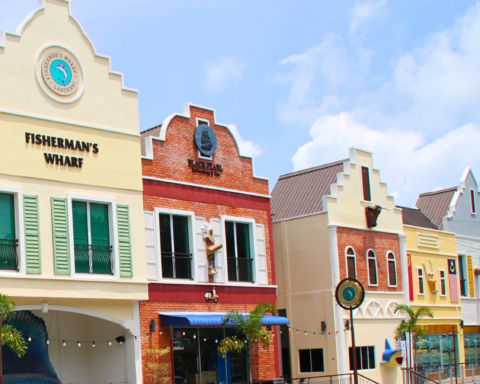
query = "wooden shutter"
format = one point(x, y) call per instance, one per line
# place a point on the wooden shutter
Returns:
point(366, 184)
point(470, 276)
point(261, 257)
point(61, 246)
point(151, 244)
point(32, 234)
point(219, 258)
point(202, 263)
point(124, 241)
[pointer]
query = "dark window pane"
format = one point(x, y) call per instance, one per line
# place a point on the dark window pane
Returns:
point(7, 217)
point(229, 231)
point(243, 241)
point(372, 269)
point(305, 364)
point(350, 251)
point(350, 357)
point(392, 275)
point(472, 198)
point(317, 360)
point(99, 224)
point(80, 225)
point(351, 267)
point(366, 184)
point(364, 364)
point(371, 357)
point(165, 233)
point(181, 239)
point(359, 357)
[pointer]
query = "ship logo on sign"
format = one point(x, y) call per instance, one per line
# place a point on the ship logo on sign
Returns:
point(60, 72)
point(205, 140)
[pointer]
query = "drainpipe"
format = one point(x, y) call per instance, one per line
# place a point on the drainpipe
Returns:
point(403, 262)
point(338, 315)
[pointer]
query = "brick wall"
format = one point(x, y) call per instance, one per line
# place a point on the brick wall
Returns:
point(170, 157)
point(262, 360)
point(381, 243)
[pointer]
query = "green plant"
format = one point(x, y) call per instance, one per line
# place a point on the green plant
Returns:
point(249, 327)
point(10, 337)
point(159, 372)
point(411, 326)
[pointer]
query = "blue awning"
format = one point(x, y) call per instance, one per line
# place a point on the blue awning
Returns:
point(200, 319)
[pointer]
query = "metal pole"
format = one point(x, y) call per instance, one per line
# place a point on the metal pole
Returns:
point(454, 354)
point(355, 373)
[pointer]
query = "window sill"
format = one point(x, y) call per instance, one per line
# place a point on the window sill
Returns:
point(392, 286)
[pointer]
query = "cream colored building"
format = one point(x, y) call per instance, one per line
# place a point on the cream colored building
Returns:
point(321, 236)
point(72, 246)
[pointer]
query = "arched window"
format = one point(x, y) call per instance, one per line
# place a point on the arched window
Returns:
point(392, 270)
point(351, 265)
point(372, 268)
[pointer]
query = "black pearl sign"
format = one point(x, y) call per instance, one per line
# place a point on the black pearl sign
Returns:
point(205, 140)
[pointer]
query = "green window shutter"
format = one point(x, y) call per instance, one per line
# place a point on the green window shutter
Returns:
point(99, 224)
point(61, 249)
point(124, 242)
point(7, 217)
point(32, 234)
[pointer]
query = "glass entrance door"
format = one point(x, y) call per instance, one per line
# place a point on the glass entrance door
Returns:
point(186, 360)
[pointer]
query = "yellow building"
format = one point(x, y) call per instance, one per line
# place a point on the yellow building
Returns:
point(434, 282)
point(72, 248)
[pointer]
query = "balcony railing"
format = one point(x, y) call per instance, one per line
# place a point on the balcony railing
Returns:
point(95, 259)
point(240, 269)
point(176, 265)
point(8, 255)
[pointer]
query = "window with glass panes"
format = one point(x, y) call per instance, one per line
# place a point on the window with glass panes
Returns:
point(91, 233)
point(239, 253)
point(175, 247)
point(311, 360)
point(8, 242)
point(365, 357)
point(351, 267)
point(372, 268)
point(392, 269)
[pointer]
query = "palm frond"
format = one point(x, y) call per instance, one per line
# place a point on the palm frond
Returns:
point(13, 339)
point(7, 307)
point(405, 310)
point(424, 312)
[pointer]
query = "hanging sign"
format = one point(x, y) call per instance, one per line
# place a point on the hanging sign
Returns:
point(205, 140)
point(350, 294)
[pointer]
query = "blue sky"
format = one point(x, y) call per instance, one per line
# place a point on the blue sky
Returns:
point(305, 80)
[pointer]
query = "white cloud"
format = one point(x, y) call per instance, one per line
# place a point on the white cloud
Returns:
point(407, 163)
point(222, 71)
point(422, 120)
point(247, 147)
point(363, 12)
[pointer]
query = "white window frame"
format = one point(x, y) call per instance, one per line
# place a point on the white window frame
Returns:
point(19, 230)
point(354, 256)
point(368, 267)
point(473, 204)
point(200, 156)
point(310, 349)
point(440, 281)
point(420, 276)
point(388, 269)
point(112, 221)
point(253, 247)
point(191, 232)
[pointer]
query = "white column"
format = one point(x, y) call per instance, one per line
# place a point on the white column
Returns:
point(338, 315)
point(404, 264)
point(134, 347)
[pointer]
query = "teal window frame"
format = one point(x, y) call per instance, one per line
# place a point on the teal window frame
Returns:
point(9, 232)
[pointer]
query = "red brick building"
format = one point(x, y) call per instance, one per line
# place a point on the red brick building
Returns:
point(199, 192)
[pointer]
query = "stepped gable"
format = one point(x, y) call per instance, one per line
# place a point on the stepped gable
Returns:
point(300, 193)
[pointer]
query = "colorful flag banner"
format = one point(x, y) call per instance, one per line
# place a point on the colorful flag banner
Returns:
point(452, 280)
point(410, 276)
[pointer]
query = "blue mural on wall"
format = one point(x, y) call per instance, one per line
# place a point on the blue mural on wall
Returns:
point(35, 366)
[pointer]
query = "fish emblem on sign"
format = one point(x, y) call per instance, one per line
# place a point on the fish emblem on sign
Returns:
point(205, 140)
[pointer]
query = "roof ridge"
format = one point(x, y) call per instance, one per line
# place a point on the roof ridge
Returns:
point(312, 169)
point(439, 191)
point(149, 129)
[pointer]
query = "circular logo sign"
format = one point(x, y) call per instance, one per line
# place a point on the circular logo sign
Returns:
point(350, 293)
point(60, 74)
point(205, 140)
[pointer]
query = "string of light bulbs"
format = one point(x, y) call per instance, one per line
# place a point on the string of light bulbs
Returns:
point(120, 340)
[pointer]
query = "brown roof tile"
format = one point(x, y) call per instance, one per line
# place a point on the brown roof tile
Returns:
point(435, 204)
point(155, 131)
point(415, 217)
point(300, 193)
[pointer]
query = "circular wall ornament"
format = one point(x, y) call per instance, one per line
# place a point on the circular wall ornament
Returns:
point(350, 293)
point(59, 73)
point(205, 140)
